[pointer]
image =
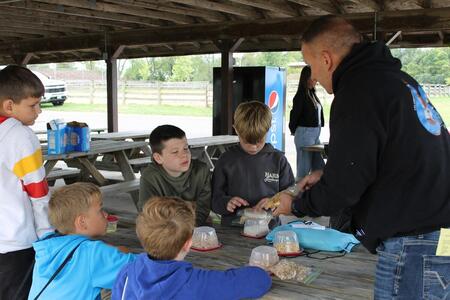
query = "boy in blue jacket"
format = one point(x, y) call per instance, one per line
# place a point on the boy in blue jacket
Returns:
point(165, 229)
point(76, 212)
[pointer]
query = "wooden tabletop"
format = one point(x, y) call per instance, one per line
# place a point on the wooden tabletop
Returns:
point(101, 129)
point(97, 147)
point(144, 135)
point(347, 277)
point(122, 135)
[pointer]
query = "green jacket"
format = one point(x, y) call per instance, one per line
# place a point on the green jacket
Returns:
point(193, 185)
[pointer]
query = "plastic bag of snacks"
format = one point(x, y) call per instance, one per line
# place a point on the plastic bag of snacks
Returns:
point(289, 270)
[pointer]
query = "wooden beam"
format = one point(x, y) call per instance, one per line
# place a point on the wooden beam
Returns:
point(23, 60)
point(435, 19)
point(173, 8)
point(326, 7)
point(226, 8)
point(122, 9)
point(80, 22)
point(338, 6)
point(277, 7)
point(65, 10)
point(373, 4)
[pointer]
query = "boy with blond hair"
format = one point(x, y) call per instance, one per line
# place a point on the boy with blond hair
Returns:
point(23, 188)
point(164, 228)
point(250, 173)
point(174, 174)
point(85, 265)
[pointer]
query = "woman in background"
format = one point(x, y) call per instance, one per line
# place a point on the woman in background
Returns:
point(306, 120)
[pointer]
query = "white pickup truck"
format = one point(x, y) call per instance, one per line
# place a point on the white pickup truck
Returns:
point(55, 90)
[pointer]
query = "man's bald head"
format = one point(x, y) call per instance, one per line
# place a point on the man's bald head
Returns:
point(332, 33)
point(324, 44)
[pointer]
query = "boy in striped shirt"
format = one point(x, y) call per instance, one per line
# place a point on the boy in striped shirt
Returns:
point(23, 189)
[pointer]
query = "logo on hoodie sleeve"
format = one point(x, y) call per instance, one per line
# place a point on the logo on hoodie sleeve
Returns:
point(426, 113)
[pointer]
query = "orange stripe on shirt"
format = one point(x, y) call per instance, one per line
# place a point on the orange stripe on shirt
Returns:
point(28, 164)
point(36, 189)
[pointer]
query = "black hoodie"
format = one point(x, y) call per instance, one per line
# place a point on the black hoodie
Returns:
point(389, 152)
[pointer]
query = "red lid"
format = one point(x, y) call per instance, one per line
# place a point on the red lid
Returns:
point(112, 218)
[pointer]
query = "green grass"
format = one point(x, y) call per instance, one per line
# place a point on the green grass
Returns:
point(166, 110)
point(442, 104)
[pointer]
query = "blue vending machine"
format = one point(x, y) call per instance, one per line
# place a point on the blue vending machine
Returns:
point(265, 84)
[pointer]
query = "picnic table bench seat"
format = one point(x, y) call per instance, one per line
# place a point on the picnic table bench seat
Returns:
point(70, 175)
point(121, 187)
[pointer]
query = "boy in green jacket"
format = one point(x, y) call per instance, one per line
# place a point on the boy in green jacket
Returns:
point(174, 174)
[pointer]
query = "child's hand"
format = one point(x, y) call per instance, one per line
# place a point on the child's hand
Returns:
point(236, 202)
point(261, 204)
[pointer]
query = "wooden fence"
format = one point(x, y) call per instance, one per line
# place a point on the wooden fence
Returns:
point(182, 93)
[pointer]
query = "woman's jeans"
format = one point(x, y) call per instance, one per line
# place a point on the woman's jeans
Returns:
point(408, 269)
point(307, 161)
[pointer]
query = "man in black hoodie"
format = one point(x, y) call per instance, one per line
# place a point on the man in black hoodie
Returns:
point(388, 161)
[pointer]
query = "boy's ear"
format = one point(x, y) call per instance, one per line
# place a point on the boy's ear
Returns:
point(158, 158)
point(7, 106)
point(80, 223)
point(187, 245)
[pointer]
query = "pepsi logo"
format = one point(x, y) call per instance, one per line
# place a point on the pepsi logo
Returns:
point(274, 99)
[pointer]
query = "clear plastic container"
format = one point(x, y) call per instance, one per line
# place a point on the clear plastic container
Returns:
point(205, 238)
point(251, 213)
point(286, 243)
point(256, 228)
point(112, 223)
point(264, 257)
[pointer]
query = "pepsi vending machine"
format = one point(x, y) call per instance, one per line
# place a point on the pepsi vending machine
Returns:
point(264, 84)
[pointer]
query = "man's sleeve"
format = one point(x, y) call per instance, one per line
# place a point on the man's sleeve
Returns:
point(357, 141)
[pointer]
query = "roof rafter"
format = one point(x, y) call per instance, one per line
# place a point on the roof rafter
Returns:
point(227, 8)
point(326, 7)
point(273, 6)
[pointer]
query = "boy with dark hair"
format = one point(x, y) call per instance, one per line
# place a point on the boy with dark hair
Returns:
point(76, 212)
point(23, 188)
point(250, 173)
point(164, 228)
point(174, 174)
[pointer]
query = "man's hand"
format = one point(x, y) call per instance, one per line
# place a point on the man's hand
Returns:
point(261, 204)
point(285, 205)
point(309, 180)
point(236, 202)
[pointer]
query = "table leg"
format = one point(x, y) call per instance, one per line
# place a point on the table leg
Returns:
point(49, 165)
point(92, 170)
point(127, 172)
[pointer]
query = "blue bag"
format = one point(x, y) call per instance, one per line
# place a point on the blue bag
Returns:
point(318, 239)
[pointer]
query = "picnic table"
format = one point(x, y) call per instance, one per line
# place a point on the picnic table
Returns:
point(205, 148)
point(321, 148)
point(343, 277)
point(85, 162)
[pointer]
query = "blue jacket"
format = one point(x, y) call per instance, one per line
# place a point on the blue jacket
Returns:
point(170, 279)
point(94, 266)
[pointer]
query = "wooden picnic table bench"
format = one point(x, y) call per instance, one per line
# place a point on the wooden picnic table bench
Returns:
point(70, 175)
point(85, 161)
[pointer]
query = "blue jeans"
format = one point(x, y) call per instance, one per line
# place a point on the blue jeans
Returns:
point(307, 161)
point(408, 269)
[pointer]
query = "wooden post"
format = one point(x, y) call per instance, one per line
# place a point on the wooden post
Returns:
point(111, 87)
point(111, 91)
point(227, 48)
